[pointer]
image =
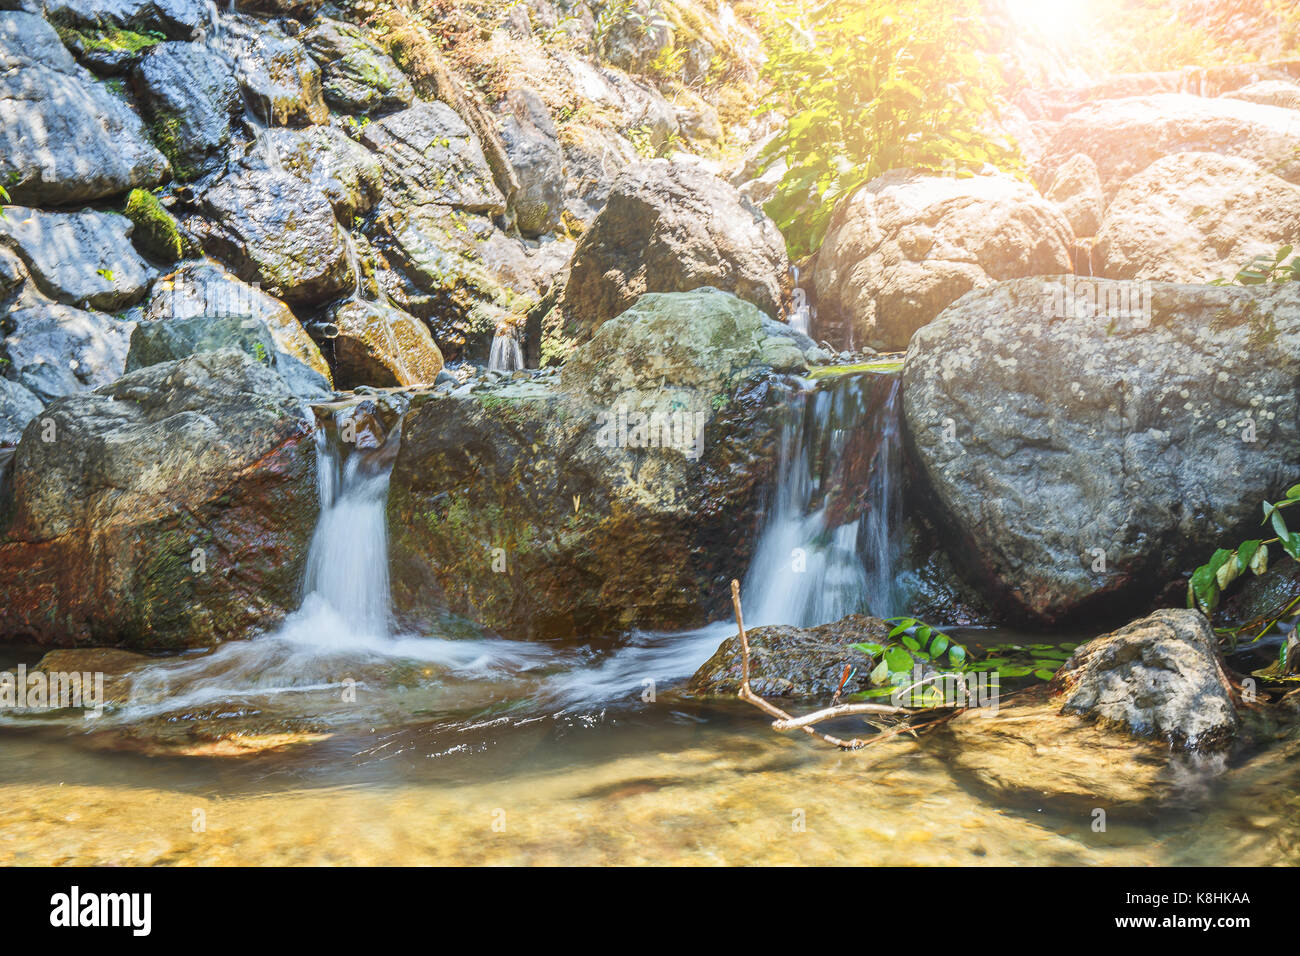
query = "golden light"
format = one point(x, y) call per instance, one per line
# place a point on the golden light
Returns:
point(1059, 20)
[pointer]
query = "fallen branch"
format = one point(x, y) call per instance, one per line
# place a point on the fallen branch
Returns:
point(785, 721)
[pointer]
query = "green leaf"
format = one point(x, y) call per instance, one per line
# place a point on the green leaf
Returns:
point(1293, 492)
point(879, 674)
point(1044, 674)
point(957, 654)
point(911, 643)
point(868, 648)
point(898, 659)
point(939, 644)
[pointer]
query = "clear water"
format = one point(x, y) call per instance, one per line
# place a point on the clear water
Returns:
point(506, 354)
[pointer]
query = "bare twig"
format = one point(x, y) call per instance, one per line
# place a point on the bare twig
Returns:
point(785, 721)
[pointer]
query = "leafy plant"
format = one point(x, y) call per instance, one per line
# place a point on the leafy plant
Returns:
point(1210, 580)
point(875, 85)
point(1265, 269)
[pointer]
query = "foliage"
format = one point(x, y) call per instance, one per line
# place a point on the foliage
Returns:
point(156, 230)
point(1210, 580)
point(914, 643)
point(1265, 269)
point(875, 85)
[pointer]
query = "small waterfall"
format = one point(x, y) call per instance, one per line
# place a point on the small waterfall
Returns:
point(801, 312)
point(831, 542)
point(354, 263)
point(506, 355)
point(346, 581)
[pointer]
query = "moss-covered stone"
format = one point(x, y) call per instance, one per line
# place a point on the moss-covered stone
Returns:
point(157, 233)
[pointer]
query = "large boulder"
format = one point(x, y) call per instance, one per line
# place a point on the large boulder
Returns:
point(378, 344)
point(672, 227)
point(191, 98)
point(1080, 457)
point(281, 82)
point(1269, 93)
point(1157, 677)
point(904, 247)
point(175, 19)
point(275, 228)
point(1195, 217)
point(539, 510)
point(1076, 191)
point(202, 289)
point(533, 146)
point(78, 258)
point(358, 76)
point(1125, 136)
point(64, 137)
point(54, 350)
point(169, 509)
point(431, 157)
point(18, 406)
point(339, 168)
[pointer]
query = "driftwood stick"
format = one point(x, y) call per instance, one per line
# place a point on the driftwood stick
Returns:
point(785, 721)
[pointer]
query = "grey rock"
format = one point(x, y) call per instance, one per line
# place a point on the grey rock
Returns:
point(64, 137)
point(281, 82)
point(18, 406)
point(358, 76)
point(671, 227)
point(55, 350)
point(80, 258)
point(378, 344)
point(1077, 192)
point(177, 19)
point(1157, 677)
point(1046, 435)
point(191, 98)
point(533, 146)
point(341, 169)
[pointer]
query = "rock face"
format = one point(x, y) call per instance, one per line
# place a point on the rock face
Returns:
point(904, 247)
point(64, 137)
point(1269, 93)
point(431, 157)
point(340, 169)
point(201, 289)
point(1125, 136)
point(281, 82)
point(191, 98)
point(359, 77)
point(533, 146)
point(18, 406)
point(671, 227)
point(273, 228)
point(1157, 677)
point(1050, 436)
point(381, 345)
point(1195, 217)
point(794, 662)
point(83, 258)
point(599, 523)
point(169, 509)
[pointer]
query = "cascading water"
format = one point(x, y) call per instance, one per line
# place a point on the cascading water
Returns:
point(831, 540)
point(506, 355)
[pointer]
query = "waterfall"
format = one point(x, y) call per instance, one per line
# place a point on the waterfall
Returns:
point(506, 355)
point(831, 541)
point(346, 581)
point(801, 313)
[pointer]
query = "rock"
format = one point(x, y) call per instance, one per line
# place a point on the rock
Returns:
point(340, 169)
point(1157, 677)
point(1269, 93)
point(596, 532)
point(593, 158)
point(431, 157)
point(1077, 192)
point(176, 19)
point(275, 228)
point(382, 346)
point(632, 40)
point(156, 232)
point(169, 340)
point(459, 273)
point(80, 258)
point(202, 289)
point(701, 124)
point(300, 9)
point(64, 137)
point(904, 247)
point(191, 98)
point(172, 509)
point(670, 227)
point(1195, 217)
point(18, 406)
point(55, 350)
point(1048, 436)
point(1125, 136)
point(358, 76)
point(281, 82)
point(533, 146)
point(108, 52)
point(794, 662)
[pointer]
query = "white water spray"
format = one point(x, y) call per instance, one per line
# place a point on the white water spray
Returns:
point(506, 355)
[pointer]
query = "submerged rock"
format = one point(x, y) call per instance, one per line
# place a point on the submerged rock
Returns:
point(627, 497)
point(169, 509)
point(1080, 457)
point(672, 227)
point(1157, 677)
point(64, 137)
point(795, 662)
point(906, 246)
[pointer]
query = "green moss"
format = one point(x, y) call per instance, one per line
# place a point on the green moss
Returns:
point(832, 371)
point(109, 40)
point(157, 232)
point(165, 131)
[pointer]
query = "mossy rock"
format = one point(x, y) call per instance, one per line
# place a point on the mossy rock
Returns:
point(157, 233)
